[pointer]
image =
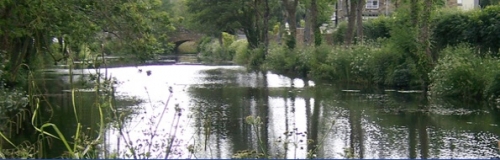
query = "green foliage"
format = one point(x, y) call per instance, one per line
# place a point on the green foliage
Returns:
point(373, 29)
point(12, 100)
point(216, 16)
point(476, 27)
point(486, 3)
point(211, 51)
point(460, 73)
point(82, 28)
point(288, 61)
point(188, 47)
point(290, 41)
point(451, 28)
point(256, 58)
point(383, 65)
point(240, 52)
point(365, 64)
point(318, 38)
point(339, 34)
point(227, 39)
point(377, 28)
point(493, 89)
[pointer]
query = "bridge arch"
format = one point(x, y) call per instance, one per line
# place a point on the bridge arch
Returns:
point(183, 35)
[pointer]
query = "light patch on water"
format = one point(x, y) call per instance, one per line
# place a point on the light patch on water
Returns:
point(379, 140)
point(288, 126)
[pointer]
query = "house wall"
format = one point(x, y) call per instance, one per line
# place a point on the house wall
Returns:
point(465, 4)
point(469, 4)
point(385, 8)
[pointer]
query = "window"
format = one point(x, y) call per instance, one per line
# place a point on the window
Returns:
point(372, 4)
point(459, 2)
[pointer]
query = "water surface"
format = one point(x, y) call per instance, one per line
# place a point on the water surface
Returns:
point(204, 108)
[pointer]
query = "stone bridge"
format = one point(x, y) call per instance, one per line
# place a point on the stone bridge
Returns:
point(182, 35)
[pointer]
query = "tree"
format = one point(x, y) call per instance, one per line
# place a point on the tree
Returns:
point(230, 16)
point(359, 19)
point(311, 15)
point(349, 35)
point(291, 10)
point(32, 25)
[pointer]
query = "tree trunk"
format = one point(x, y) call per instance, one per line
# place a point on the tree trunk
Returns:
point(414, 12)
point(425, 40)
point(349, 34)
point(359, 19)
point(266, 28)
point(291, 10)
point(314, 24)
point(307, 27)
point(346, 8)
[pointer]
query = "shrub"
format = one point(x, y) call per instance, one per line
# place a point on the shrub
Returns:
point(289, 61)
point(256, 58)
point(451, 28)
point(462, 74)
point(227, 39)
point(480, 28)
point(211, 52)
point(341, 64)
point(339, 33)
point(373, 29)
point(237, 48)
point(383, 63)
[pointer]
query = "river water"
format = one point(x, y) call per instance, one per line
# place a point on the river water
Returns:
point(196, 111)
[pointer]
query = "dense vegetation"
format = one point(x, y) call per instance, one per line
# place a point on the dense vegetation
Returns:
point(450, 52)
point(422, 44)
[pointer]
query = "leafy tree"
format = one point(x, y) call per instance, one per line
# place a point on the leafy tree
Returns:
point(29, 27)
point(217, 16)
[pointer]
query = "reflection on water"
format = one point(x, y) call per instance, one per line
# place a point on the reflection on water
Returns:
point(209, 105)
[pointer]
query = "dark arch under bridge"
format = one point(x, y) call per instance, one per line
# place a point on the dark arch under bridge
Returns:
point(182, 35)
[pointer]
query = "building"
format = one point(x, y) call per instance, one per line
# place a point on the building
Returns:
point(466, 4)
point(373, 8)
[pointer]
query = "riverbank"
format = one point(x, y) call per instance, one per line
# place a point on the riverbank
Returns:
point(121, 61)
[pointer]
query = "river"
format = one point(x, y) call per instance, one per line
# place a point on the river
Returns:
point(205, 109)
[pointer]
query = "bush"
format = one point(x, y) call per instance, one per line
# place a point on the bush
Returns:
point(227, 39)
point(256, 58)
point(339, 33)
point(283, 60)
point(462, 74)
point(239, 48)
point(373, 30)
point(212, 53)
point(383, 64)
point(452, 28)
point(480, 28)
point(341, 64)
